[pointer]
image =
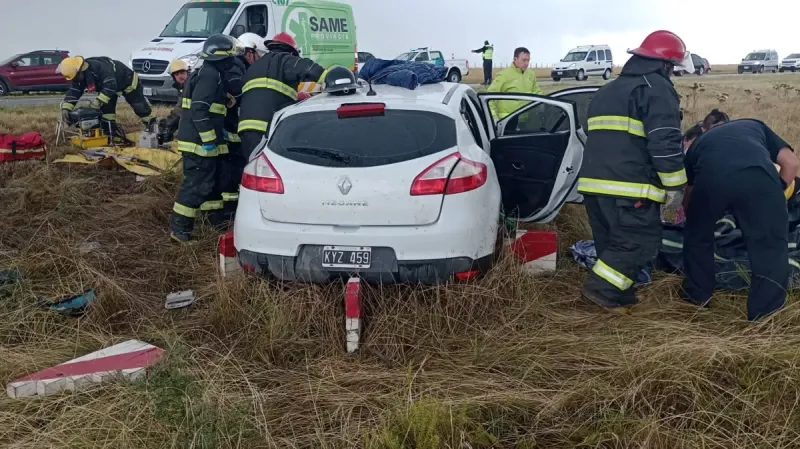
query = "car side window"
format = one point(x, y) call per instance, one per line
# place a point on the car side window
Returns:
point(51, 59)
point(592, 57)
point(608, 55)
point(601, 56)
point(472, 123)
point(541, 118)
point(28, 60)
point(422, 56)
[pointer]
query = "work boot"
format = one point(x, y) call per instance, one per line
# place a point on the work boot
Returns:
point(605, 303)
point(181, 238)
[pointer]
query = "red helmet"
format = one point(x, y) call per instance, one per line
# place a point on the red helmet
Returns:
point(663, 45)
point(282, 41)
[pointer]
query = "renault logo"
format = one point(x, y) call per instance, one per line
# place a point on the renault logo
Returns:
point(345, 185)
point(146, 66)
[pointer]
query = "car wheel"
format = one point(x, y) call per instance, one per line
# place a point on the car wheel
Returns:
point(780, 70)
point(556, 79)
point(740, 71)
point(607, 74)
point(701, 71)
point(454, 76)
point(3, 89)
point(581, 75)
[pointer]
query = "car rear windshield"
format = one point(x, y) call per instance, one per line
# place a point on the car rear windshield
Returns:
point(322, 138)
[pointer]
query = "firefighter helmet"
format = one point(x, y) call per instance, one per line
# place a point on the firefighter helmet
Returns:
point(282, 42)
point(177, 65)
point(340, 80)
point(221, 46)
point(253, 41)
point(70, 67)
point(662, 45)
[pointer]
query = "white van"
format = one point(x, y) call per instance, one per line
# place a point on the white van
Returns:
point(585, 61)
point(324, 30)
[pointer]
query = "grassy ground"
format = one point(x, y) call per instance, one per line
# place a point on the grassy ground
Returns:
point(508, 361)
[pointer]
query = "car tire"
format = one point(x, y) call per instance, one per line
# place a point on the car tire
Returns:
point(3, 89)
point(701, 71)
point(454, 76)
point(740, 71)
point(556, 79)
point(607, 74)
point(581, 76)
point(678, 73)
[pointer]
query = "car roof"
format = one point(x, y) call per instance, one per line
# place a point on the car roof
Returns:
point(429, 97)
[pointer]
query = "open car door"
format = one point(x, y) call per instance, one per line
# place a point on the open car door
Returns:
point(536, 153)
point(581, 96)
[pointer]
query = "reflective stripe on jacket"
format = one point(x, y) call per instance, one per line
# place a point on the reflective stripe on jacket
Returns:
point(203, 112)
point(634, 145)
point(512, 80)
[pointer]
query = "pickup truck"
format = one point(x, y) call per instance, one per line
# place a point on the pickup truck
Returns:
point(457, 68)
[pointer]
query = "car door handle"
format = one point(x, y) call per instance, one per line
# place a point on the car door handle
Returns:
point(517, 167)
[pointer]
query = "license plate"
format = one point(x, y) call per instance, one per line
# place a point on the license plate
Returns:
point(346, 257)
point(148, 91)
point(560, 73)
point(746, 67)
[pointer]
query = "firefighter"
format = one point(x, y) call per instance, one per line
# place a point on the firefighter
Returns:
point(730, 169)
point(633, 163)
point(487, 52)
point(108, 78)
point(201, 138)
point(233, 163)
point(270, 84)
point(179, 72)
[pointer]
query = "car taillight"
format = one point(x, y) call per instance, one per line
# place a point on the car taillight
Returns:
point(450, 175)
point(261, 176)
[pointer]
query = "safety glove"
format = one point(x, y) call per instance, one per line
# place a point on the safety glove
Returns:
point(209, 146)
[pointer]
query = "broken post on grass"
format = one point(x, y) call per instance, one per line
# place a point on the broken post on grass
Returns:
point(537, 250)
point(128, 360)
point(352, 309)
point(228, 262)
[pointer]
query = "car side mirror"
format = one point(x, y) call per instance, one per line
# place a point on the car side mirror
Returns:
point(15, 64)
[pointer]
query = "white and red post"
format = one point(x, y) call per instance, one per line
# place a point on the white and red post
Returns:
point(352, 308)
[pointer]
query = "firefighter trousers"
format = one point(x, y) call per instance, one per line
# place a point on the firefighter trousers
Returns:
point(756, 201)
point(137, 101)
point(200, 193)
point(627, 236)
point(233, 165)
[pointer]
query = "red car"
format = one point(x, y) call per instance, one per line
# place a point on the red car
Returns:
point(34, 71)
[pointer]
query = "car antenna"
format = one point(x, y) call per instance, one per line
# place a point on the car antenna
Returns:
point(371, 92)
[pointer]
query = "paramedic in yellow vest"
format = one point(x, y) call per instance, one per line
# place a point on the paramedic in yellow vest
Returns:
point(487, 51)
point(517, 78)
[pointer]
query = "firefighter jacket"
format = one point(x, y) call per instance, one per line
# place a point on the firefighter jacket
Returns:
point(175, 114)
point(512, 80)
point(203, 112)
point(105, 76)
point(270, 84)
point(634, 145)
point(234, 80)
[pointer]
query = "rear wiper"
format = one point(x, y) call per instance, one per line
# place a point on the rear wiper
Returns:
point(325, 153)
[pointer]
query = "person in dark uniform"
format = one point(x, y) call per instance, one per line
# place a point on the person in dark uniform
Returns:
point(271, 84)
point(731, 167)
point(632, 164)
point(201, 137)
point(487, 53)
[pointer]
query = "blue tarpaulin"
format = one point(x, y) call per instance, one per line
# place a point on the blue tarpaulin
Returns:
point(401, 73)
point(730, 253)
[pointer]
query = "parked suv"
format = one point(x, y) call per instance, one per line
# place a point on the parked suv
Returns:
point(701, 66)
point(32, 71)
point(760, 61)
point(791, 63)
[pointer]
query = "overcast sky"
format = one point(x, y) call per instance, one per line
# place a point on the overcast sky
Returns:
point(714, 30)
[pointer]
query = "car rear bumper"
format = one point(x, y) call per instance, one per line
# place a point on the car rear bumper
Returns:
point(464, 241)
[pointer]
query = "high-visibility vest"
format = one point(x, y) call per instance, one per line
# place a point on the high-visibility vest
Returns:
point(488, 52)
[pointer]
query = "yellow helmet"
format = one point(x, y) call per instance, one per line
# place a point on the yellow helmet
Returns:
point(70, 67)
point(177, 65)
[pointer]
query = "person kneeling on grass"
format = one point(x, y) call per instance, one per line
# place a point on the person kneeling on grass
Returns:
point(730, 167)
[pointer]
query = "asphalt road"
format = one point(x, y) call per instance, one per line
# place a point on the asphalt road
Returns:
point(32, 100)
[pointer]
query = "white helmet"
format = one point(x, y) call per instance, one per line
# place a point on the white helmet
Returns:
point(254, 42)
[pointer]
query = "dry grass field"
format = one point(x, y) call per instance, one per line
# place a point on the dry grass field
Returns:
point(506, 362)
point(475, 75)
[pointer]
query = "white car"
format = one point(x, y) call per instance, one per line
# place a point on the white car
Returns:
point(405, 185)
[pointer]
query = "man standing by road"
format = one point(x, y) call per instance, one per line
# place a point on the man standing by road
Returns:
point(515, 79)
point(487, 51)
point(730, 167)
point(270, 84)
point(633, 157)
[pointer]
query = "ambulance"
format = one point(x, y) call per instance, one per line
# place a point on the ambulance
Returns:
point(324, 30)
